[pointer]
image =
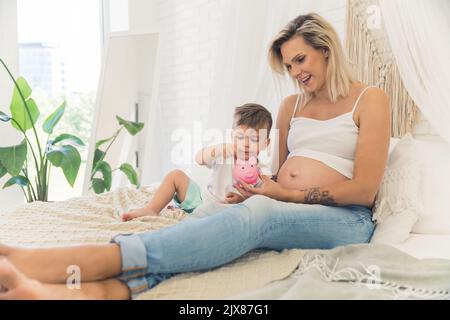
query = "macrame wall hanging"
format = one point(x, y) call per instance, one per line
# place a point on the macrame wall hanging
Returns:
point(373, 63)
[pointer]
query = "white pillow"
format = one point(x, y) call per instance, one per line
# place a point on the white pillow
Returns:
point(435, 187)
point(399, 201)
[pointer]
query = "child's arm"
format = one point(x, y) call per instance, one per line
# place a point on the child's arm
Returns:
point(207, 155)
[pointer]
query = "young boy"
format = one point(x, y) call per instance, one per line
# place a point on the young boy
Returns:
point(251, 128)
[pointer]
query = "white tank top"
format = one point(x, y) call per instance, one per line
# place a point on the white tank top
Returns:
point(331, 141)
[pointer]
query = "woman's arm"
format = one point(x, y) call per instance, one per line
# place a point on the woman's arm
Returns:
point(370, 162)
point(282, 125)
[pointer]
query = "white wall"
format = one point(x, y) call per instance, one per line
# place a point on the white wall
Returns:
point(9, 52)
point(189, 37)
point(135, 16)
point(143, 15)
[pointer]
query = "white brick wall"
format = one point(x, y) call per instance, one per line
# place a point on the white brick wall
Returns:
point(189, 40)
point(189, 32)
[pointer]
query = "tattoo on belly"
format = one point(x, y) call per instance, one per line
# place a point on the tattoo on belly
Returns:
point(316, 196)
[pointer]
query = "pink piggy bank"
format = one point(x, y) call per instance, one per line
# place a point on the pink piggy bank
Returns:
point(247, 171)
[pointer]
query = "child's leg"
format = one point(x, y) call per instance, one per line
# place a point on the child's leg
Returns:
point(176, 182)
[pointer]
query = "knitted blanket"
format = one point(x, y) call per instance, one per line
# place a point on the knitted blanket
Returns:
point(96, 219)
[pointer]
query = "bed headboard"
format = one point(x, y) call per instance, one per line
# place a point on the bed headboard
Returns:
point(373, 63)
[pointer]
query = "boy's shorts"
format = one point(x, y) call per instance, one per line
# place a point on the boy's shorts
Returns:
point(193, 198)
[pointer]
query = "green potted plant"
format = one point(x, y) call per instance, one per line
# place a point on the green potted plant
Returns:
point(101, 176)
point(29, 163)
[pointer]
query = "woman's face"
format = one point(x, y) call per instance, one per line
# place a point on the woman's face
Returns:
point(305, 64)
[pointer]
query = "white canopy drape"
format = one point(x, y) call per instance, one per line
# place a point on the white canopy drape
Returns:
point(418, 33)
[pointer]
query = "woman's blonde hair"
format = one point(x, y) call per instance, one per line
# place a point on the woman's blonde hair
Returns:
point(319, 34)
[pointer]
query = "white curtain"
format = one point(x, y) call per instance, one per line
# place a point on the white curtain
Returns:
point(418, 32)
point(242, 73)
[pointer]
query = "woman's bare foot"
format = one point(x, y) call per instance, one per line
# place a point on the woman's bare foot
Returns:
point(50, 265)
point(130, 215)
point(14, 285)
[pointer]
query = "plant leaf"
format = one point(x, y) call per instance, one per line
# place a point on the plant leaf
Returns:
point(53, 119)
point(106, 171)
point(70, 138)
point(20, 115)
point(132, 127)
point(4, 117)
point(13, 158)
point(99, 143)
point(19, 180)
point(19, 110)
point(98, 185)
point(24, 87)
point(55, 156)
point(68, 158)
point(98, 154)
point(130, 173)
point(3, 170)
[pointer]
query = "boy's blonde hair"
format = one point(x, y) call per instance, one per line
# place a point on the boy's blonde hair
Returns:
point(319, 34)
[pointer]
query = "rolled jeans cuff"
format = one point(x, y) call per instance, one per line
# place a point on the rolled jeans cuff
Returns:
point(134, 262)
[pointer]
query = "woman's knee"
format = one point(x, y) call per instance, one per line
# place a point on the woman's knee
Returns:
point(259, 202)
point(260, 208)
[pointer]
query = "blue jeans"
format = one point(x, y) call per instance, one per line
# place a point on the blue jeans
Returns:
point(197, 244)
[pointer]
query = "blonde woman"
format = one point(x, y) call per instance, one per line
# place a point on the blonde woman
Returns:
point(333, 146)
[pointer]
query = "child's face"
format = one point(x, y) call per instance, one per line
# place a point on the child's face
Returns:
point(249, 141)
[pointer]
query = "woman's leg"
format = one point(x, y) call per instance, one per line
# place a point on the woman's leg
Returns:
point(50, 265)
point(175, 182)
point(15, 285)
point(147, 258)
point(258, 222)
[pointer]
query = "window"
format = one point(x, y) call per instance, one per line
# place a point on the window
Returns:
point(60, 46)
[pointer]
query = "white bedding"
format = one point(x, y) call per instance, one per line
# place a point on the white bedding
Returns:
point(96, 219)
point(424, 246)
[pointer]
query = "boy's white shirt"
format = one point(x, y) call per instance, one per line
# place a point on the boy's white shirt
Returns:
point(221, 181)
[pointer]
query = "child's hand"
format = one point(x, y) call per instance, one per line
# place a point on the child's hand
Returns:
point(233, 198)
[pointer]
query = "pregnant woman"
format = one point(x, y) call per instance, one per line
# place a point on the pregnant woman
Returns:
point(333, 144)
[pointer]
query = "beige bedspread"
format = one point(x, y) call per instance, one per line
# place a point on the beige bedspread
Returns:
point(95, 219)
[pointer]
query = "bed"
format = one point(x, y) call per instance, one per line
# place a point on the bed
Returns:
point(260, 274)
point(426, 246)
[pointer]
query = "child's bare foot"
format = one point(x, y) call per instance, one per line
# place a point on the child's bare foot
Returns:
point(14, 285)
point(130, 215)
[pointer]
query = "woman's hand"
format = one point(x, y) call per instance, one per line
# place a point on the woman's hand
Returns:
point(268, 188)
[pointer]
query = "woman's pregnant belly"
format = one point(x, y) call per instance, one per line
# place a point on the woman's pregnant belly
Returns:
point(302, 173)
